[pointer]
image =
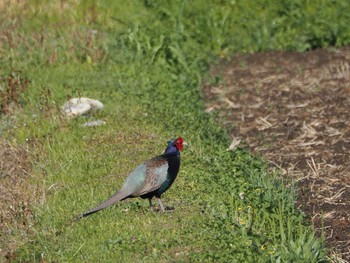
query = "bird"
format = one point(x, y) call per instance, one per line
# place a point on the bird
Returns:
point(150, 179)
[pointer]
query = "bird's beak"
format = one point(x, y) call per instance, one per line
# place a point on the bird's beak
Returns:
point(184, 143)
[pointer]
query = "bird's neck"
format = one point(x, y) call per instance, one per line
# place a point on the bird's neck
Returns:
point(173, 162)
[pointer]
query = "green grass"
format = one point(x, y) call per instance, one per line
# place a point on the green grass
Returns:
point(145, 60)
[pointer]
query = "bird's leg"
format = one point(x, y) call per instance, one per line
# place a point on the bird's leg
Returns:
point(160, 204)
point(150, 204)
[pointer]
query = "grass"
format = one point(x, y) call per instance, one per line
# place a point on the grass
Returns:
point(144, 60)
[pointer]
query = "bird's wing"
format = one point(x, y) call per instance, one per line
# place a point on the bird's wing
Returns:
point(148, 177)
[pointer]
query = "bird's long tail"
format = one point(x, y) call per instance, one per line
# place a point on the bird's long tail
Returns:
point(118, 196)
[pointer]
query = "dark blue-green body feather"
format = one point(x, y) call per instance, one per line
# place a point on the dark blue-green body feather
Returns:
point(150, 179)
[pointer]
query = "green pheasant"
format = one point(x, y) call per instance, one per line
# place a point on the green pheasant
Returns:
point(150, 179)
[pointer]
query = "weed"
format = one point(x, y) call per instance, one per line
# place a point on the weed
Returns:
point(11, 88)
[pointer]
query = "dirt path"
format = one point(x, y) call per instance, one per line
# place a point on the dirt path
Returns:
point(294, 108)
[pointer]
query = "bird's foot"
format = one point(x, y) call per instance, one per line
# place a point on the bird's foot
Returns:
point(169, 209)
point(156, 210)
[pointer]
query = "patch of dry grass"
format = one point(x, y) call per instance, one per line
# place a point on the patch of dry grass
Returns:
point(11, 88)
point(16, 194)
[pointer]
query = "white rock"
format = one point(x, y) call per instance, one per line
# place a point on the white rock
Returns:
point(242, 195)
point(93, 123)
point(78, 106)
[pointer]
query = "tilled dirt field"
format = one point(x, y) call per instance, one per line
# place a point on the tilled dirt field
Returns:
point(294, 109)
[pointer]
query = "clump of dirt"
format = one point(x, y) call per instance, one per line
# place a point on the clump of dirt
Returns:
point(294, 109)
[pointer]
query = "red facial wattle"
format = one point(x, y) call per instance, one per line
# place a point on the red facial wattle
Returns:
point(179, 144)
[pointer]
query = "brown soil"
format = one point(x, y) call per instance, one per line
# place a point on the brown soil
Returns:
point(294, 108)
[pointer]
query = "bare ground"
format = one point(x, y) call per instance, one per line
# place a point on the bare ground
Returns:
point(294, 108)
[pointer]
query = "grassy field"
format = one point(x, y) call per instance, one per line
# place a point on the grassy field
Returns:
point(145, 60)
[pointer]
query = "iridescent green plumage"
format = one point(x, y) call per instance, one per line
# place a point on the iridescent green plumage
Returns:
point(150, 179)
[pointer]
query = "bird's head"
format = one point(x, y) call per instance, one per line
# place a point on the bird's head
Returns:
point(175, 145)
